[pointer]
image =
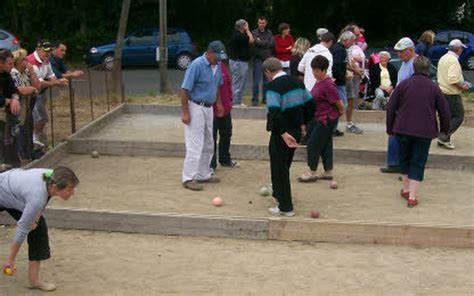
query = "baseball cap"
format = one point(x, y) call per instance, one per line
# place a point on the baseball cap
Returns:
point(456, 43)
point(44, 45)
point(403, 44)
point(218, 48)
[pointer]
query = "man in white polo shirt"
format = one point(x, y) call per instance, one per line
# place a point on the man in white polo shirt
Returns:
point(39, 59)
point(451, 82)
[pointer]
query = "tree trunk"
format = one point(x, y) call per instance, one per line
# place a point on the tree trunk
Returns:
point(164, 88)
point(117, 68)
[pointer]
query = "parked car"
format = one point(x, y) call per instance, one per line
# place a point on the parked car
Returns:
point(141, 47)
point(8, 40)
point(440, 46)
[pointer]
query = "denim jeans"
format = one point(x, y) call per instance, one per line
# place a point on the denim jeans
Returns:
point(257, 76)
point(238, 69)
point(341, 89)
point(393, 152)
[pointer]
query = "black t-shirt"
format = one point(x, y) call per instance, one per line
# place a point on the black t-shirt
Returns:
point(239, 46)
point(7, 87)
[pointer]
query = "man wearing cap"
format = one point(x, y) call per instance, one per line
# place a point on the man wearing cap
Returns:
point(199, 92)
point(39, 59)
point(451, 82)
point(406, 52)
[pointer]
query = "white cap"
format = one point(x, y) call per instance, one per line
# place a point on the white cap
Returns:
point(403, 44)
point(456, 43)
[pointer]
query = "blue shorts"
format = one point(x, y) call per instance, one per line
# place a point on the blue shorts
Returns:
point(341, 89)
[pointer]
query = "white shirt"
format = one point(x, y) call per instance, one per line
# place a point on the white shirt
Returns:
point(44, 71)
point(305, 64)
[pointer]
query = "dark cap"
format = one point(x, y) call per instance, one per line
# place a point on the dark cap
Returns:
point(44, 45)
point(218, 49)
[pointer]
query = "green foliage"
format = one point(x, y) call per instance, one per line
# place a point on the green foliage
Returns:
point(81, 23)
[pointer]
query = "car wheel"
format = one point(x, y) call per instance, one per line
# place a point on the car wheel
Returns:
point(183, 60)
point(108, 62)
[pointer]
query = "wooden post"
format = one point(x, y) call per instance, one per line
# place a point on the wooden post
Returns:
point(117, 68)
point(164, 87)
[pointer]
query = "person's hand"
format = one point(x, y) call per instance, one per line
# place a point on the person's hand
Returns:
point(77, 73)
point(289, 47)
point(32, 90)
point(220, 110)
point(303, 131)
point(185, 118)
point(11, 264)
point(15, 106)
point(289, 140)
point(466, 86)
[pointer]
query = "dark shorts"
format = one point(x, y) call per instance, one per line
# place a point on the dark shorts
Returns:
point(413, 156)
point(38, 239)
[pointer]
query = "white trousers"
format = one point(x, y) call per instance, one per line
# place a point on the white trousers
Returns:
point(199, 143)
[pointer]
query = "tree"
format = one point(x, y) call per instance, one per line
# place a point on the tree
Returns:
point(117, 68)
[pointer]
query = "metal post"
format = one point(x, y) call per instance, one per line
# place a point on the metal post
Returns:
point(90, 94)
point(72, 108)
point(51, 115)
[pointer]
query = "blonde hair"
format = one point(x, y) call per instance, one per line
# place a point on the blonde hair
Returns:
point(19, 56)
point(301, 46)
point(427, 37)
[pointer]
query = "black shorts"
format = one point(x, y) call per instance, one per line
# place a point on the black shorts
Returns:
point(38, 240)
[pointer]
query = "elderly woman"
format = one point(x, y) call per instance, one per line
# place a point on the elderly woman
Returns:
point(425, 43)
point(28, 85)
point(411, 117)
point(383, 79)
point(24, 194)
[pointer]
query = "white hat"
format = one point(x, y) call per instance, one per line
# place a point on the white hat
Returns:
point(456, 43)
point(403, 44)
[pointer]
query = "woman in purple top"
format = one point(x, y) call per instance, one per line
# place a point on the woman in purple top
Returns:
point(328, 109)
point(411, 117)
point(223, 125)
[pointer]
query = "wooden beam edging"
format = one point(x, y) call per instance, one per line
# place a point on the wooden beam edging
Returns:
point(283, 229)
point(372, 233)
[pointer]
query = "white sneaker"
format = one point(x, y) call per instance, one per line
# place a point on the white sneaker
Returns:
point(241, 105)
point(36, 141)
point(447, 145)
point(276, 212)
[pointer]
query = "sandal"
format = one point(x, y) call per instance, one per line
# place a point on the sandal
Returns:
point(307, 178)
point(405, 194)
point(412, 203)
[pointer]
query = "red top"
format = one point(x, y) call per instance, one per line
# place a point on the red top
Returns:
point(325, 95)
point(225, 90)
point(281, 45)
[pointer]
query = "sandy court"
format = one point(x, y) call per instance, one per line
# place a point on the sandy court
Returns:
point(100, 263)
point(153, 184)
point(162, 128)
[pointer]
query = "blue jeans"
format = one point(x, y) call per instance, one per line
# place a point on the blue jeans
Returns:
point(238, 69)
point(341, 89)
point(257, 76)
point(393, 152)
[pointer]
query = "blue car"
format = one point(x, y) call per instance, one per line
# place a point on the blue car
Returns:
point(8, 40)
point(141, 47)
point(440, 46)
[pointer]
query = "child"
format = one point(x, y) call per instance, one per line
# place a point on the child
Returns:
point(290, 107)
point(328, 109)
point(24, 194)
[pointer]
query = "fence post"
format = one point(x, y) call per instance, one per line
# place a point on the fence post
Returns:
point(107, 90)
point(72, 107)
point(51, 115)
point(90, 94)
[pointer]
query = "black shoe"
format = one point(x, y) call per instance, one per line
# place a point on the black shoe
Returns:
point(391, 170)
point(231, 164)
point(338, 133)
point(254, 104)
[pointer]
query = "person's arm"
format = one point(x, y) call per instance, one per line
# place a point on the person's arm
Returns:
point(249, 34)
point(73, 74)
point(185, 117)
point(12, 99)
point(455, 76)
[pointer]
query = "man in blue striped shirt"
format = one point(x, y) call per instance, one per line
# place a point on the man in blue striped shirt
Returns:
point(290, 108)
